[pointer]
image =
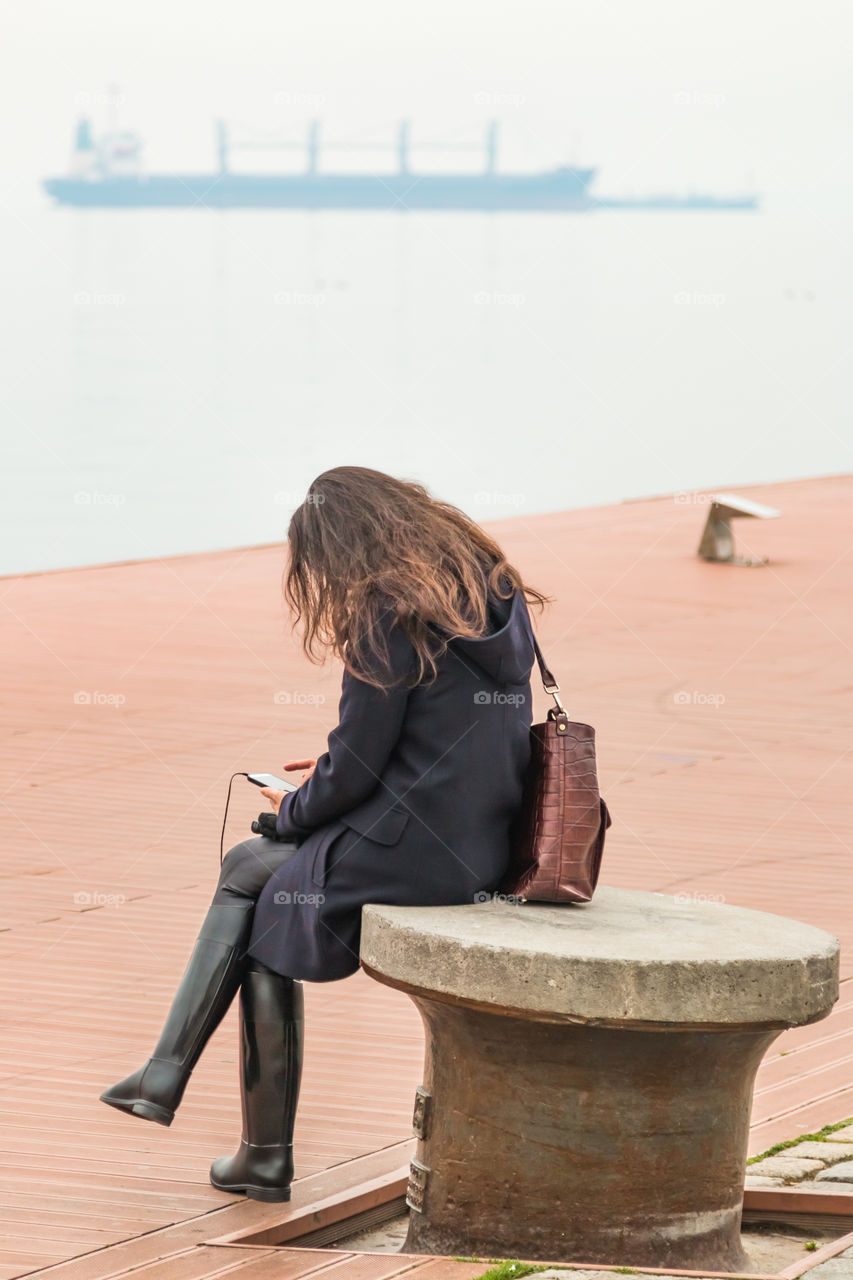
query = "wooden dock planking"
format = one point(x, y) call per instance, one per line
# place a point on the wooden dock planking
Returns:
point(748, 799)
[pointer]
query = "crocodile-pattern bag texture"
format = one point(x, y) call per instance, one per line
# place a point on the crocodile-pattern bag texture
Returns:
point(559, 838)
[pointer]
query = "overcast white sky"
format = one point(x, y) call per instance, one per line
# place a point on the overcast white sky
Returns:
point(657, 94)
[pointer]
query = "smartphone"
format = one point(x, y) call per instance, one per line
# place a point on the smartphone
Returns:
point(270, 780)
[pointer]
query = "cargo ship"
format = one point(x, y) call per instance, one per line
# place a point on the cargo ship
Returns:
point(107, 171)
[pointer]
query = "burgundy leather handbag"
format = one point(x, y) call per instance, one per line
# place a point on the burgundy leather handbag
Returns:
point(559, 838)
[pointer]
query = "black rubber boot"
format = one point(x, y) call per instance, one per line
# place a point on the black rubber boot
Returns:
point(271, 1040)
point(210, 982)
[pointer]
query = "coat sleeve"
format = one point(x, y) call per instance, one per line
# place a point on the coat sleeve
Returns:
point(370, 723)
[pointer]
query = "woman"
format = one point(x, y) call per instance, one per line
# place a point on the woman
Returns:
point(413, 803)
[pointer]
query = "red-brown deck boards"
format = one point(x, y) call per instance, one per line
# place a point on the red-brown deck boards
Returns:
point(739, 789)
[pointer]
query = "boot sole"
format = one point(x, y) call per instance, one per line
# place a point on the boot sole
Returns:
point(145, 1110)
point(270, 1195)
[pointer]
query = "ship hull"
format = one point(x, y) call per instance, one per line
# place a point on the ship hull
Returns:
point(561, 190)
point(680, 203)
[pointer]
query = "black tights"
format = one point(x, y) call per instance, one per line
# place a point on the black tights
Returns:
point(245, 870)
point(248, 866)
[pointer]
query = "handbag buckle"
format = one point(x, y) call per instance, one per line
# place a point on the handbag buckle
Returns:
point(552, 689)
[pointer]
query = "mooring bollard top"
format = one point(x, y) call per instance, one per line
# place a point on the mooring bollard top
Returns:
point(627, 957)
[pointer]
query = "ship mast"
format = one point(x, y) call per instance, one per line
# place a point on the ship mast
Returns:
point(492, 148)
point(313, 147)
point(403, 146)
point(222, 146)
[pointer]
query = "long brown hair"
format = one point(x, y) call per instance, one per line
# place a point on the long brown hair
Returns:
point(364, 543)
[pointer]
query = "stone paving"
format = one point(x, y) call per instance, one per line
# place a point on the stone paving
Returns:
point(770, 1250)
point(840, 1268)
point(818, 1164)
point(810, 1165)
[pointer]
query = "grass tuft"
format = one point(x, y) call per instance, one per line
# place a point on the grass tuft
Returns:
point(820, 1136)
point(511, 1269)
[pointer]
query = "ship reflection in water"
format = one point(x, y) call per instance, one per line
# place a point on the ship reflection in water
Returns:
point(107, 172)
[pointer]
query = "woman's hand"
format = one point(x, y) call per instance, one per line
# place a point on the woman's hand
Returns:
point(307, 765)
point(275, 797)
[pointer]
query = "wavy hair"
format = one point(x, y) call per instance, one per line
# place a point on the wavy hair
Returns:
point(364, 544)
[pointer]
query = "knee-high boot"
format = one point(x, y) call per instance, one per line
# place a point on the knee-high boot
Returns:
point(271, 1043)
point(210, 982)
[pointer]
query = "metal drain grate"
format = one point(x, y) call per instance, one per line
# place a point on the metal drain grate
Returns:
point(841, 1223)
point(350, 1226)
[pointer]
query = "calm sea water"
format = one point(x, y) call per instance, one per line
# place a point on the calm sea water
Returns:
point(175, 379)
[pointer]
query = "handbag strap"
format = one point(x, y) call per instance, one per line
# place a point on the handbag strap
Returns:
point(548, 682)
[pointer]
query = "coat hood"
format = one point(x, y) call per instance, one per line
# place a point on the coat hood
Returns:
point(506, 654)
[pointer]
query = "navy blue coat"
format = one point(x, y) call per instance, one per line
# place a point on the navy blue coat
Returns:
point(412, 804)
